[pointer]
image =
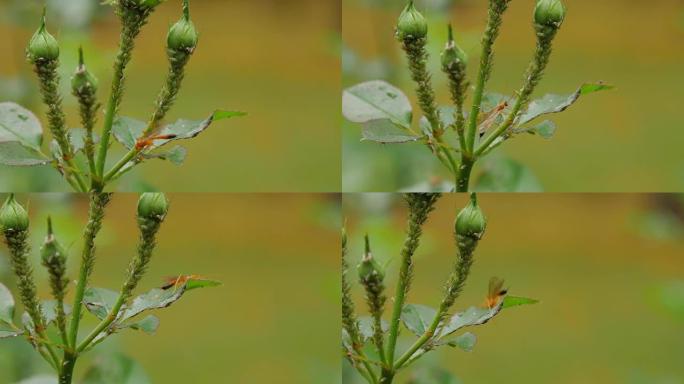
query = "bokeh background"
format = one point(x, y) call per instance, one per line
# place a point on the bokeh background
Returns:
point(627, 139)
point(608, 269)
point(273, 321)
point(276, 60)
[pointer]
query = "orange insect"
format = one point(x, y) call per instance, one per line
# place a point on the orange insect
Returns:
point(496, 292)
point(492, 117)
point(175, 281)
point(145, 142)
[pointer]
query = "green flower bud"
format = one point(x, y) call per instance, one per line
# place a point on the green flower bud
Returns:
point(182, 35)
point(549, 13)
point(52, 252)
point(369, 268)
point(83, 80)
point(453, 55)
point(411, 24)
point(152, 205)
point(13, 216)
point(42, 46)
point(471, 222)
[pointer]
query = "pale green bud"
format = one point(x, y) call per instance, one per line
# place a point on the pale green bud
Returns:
point(471, 222)
point(411, 23)
point(13, 216)
point(549, 13)
point(152, 205)
point(42, 46)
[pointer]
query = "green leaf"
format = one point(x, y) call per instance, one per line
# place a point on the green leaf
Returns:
point(20, 125)
point(384, 131)
point(545, 129)
point(417, 318)
point(48, 309)
point(465, 341)
point(127, 130)
point(99, 301)
point(115, 369)
point(506, 175)
point(14, 154)
point(149, 325)
point(366, 327)
point(200, 282)
point(6, 305)
point(175, 155)
point(470, 317)
point(513, 301)
point(376, 100)
point(557, 103)
point(187, 129)
point(5, 334)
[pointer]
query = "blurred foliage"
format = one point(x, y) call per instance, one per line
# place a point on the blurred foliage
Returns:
point(608, 293)
point(234, 66)
point(277, 306)
point(621, 142)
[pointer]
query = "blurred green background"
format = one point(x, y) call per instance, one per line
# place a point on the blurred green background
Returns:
point(277, 60)
point(608, 269)
point(628, 139)
point(273, 321)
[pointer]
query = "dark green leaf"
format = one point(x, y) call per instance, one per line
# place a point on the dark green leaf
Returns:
point(557, 103)
point(465, 341)
point(506, 175)
point(376, 100)
point(512, 301)
point(417, 318)
point(127, 130)
point(187, 129)
point(175, 155)
point(153, 299)
point(4, 334)
point(115, 369)
point(49, 310)
point(366, 327)
point(99, 301)
point(14, 154)
point(470, 317)
point(6, 305)
point(149, 325)
point(20, 125)
point(545, 129)
point(384, 131)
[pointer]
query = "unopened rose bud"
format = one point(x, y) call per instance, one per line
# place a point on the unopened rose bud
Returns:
point(13, 216)
point(369, 268)
point(471, 222)
point(153, 205)
point(83, 81)
point(549, 13)
point(411, 23)
point(52, 253)
point(182, 36)
point(42, 46)
point(452, 55)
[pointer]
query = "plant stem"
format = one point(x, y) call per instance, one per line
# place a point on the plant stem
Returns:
point(49, 84)
point(496, 10)
point(131, 22)
point(98, 202)
point(532, 77)
point(420, 205)
point(464, 171)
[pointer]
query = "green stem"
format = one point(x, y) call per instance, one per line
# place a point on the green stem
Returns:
point(463, 178)
point(496, 10)
point(67, 369)
point(106, 322)
point(421, 341)
point(98, 202)
point(131, 22)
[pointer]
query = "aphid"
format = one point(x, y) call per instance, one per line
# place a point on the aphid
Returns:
point(496, 292)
